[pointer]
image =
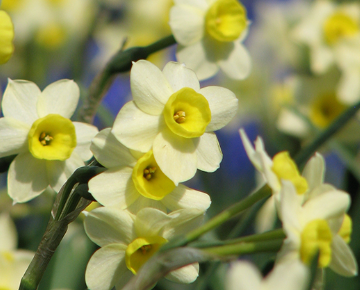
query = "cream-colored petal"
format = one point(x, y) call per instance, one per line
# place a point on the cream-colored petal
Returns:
point(8, 237)
point(195, 57)
point(142, 202)
point(114, 187)
point(19, 101)
point(149, 87)
point(243, 275)
point(106, 267)
point(60, 97)
point(266, 216)
point(106, 226)
point(292, 124)
point(343, 260)
point(237, 63)
point(199, 4)
point(27, 177)
point(185, 197)
point(223, 106)
point(179, 76)
point(187, 274)
point(250, 151)
point(208, 153)
point(136, 129)
point(187, 24)
point(314, 171)
point(321, 58)
point(110, 152)
point(20, 263)
point(13, 134)
point(84, 134)
point(176, 156)
point(290, 208)
point(150, 222)
point(349, 87)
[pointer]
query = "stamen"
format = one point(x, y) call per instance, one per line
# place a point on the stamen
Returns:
point(149, 172)
point(179, 117)
point(45, 138)
point(146, 248)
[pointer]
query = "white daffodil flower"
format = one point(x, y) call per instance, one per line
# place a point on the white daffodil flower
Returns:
point(6, 37)
point(209, 34)
point(13, 262)
point(128, 241)
point(36, 127)
point(172, 116)
point(320, 224)
point(134, 180)
point(243, 275)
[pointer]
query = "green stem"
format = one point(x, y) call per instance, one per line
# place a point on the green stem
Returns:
point(120, 62)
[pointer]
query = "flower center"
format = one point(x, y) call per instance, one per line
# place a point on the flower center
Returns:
point(285, 168)
point(140, 250)
point(10, 5)
point(338, 26)
point(52, 138)
point(316, 236)
point(325, 110)
point(6, 36)
point(51, 36)
point(346, 229)
point(149, 180)
point(226, 20)
point(187, 113)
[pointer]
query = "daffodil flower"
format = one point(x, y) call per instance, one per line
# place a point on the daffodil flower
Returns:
point(36, 127)
point(134, 180)
point(172, 116)
point(320, 224)
point(128, 241)
point(209, 34)
point(243, 275)
point(13, 262)
point(6, 37)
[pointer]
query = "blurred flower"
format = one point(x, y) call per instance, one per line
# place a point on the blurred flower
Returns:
point(36, 126)
point(209, 34)
point(6, 37)
point(135, 181)
point(243, 275)
point(128, 241)
point(174, 117)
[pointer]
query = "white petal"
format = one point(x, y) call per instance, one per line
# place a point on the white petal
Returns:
point(195, 57)
point(150, 222)
point(105, 267)
point(292, 124)
point(266, 216)
point(321, 59)
point(14, 134)
point(60, 97)
point(290, 207)
point(106, 226)
point(250, 151)
point(143, 202)
point(237, 62)
point(109, 151)
point(149, 87)
point(349, 87)
point(176, 156)
point(114, 187)
point(314, 171)
point(243, 275)
point(199, 4)
point(187, 274)
point(20, 263)
point(180, 76)
point(343, 260)
point(19, 101)
point(223, 106)
point(136, 129)
point(187, 24)
point(26, 178)
point(84, 134)
point(8, 237)
point(208, 153)
point(184, 197)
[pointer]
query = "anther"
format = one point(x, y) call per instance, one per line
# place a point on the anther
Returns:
point(179, 117)
point(45, 139)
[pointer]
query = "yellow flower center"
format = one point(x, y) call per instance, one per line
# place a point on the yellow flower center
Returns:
point(316, 236)
point(187, 113)
point(140, 250)
point(56, 2)
point(325, 110)
point(11, 5)
point(338, 26)
point(6, 37)
point(346, 229)
point(285, 168)
point(51, 36)
point(52, 138)
point(149, 180)
point(226, 20)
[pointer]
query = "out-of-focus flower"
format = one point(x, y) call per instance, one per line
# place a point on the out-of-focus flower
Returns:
point(36, 126)
point(134, 180)
point(6, 37)
point(317, 226)
point(209, 34)
point(13, 262)
point(243, 275)
point(128, 241)
point(174, 117)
